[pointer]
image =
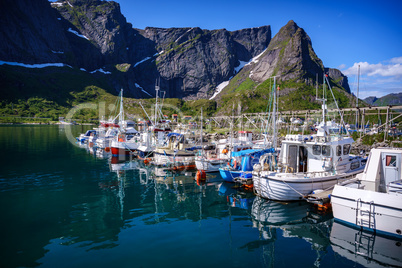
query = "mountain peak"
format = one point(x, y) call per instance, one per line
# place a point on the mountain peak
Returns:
point(289, 55)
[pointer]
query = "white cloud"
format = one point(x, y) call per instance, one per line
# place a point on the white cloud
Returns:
point(342, 66)
point(376, 79)
point(396, 60)
point(393, 69)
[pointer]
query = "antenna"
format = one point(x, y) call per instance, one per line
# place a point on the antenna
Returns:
point(316, 86)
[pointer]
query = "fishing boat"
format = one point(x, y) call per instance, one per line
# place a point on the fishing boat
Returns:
point(308, 163)
point(373, 200)
point(126, 142)
point(179, 151)
point(150, 140)
point(105, 138)
point(241, 164)
point(84, 137)
point(216, 155)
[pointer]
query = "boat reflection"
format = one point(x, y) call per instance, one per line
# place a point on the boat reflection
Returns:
point(366, 248)
point(277, 220)
point(236, 196)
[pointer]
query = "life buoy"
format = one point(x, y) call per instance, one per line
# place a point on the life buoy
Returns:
point(121, 138)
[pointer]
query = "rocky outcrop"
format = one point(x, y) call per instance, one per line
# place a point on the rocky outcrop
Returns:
point(30, 33)
point(191, 62)
point(290, 56)
point(188, 62)
point(339, 78)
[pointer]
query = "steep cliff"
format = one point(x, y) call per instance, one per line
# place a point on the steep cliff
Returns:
point(190, 63)
point(31, 33)
point(289, 57)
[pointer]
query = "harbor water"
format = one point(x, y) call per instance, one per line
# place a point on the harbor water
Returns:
point(62, 205)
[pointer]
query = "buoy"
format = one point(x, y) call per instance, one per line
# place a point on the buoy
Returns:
point(146, 161)
point(201, 175)
point(248, 186)
point(107, 149)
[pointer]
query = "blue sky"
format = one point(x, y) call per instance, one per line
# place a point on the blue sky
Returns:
point(344, 33)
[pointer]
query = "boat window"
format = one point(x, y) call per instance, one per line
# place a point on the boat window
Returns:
point(391, 160)
point(346, 149)
point(338, 150)
point(316, 149)
point(354, 165)
point(326, 150)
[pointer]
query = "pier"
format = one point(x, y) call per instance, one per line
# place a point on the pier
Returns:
point(256, 120)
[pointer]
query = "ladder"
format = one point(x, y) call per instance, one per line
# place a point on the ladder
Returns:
point(365, 217)
point(364, 243)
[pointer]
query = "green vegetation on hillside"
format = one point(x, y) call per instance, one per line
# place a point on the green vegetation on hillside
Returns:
point(53, 91)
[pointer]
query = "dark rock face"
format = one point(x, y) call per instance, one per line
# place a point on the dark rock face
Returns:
point(188, 62)
point(338, 76)
point(31, 33)
point(192, 61)
point(290, 56)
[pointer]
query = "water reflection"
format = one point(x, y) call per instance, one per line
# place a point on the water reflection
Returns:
point(70, 206)
point(293, 220)
point(365, 248)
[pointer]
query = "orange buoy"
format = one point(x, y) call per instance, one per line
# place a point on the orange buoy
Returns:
point(201, 175)
point(107, 149)
point(146, 161)
point(248, 186)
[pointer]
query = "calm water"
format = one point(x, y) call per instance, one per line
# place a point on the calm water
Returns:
point(64, 206)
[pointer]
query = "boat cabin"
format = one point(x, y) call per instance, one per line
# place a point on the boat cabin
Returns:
point(245, 136)
point(312, 153)
point(383, 171)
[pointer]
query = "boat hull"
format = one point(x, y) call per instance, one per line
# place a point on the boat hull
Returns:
point(209, 165)
point(352, 205)
point(229, 175)
point(292, 187)
point(166, 158)
point(123, 148)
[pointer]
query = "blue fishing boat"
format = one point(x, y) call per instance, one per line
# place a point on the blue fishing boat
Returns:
point(241, 164)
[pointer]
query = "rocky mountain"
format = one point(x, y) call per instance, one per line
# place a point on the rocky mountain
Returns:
point(188, 63)
point(93, 35)
point(390, 99)
point(290, 57)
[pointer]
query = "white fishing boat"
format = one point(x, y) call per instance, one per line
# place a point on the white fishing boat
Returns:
point(150, 140)
point(218, 154)
point(126, 142)
point(105, 139)
point(308, 163)
point(374, 200)
point(84, 137)
point(179, 151)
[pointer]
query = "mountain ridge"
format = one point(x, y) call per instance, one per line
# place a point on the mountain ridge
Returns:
point(189, 63)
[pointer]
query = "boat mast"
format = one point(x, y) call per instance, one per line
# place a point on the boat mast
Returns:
point(121, 114)
point(274, 115)
point(357, 97)
point(201, 131)
point(156, 101)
